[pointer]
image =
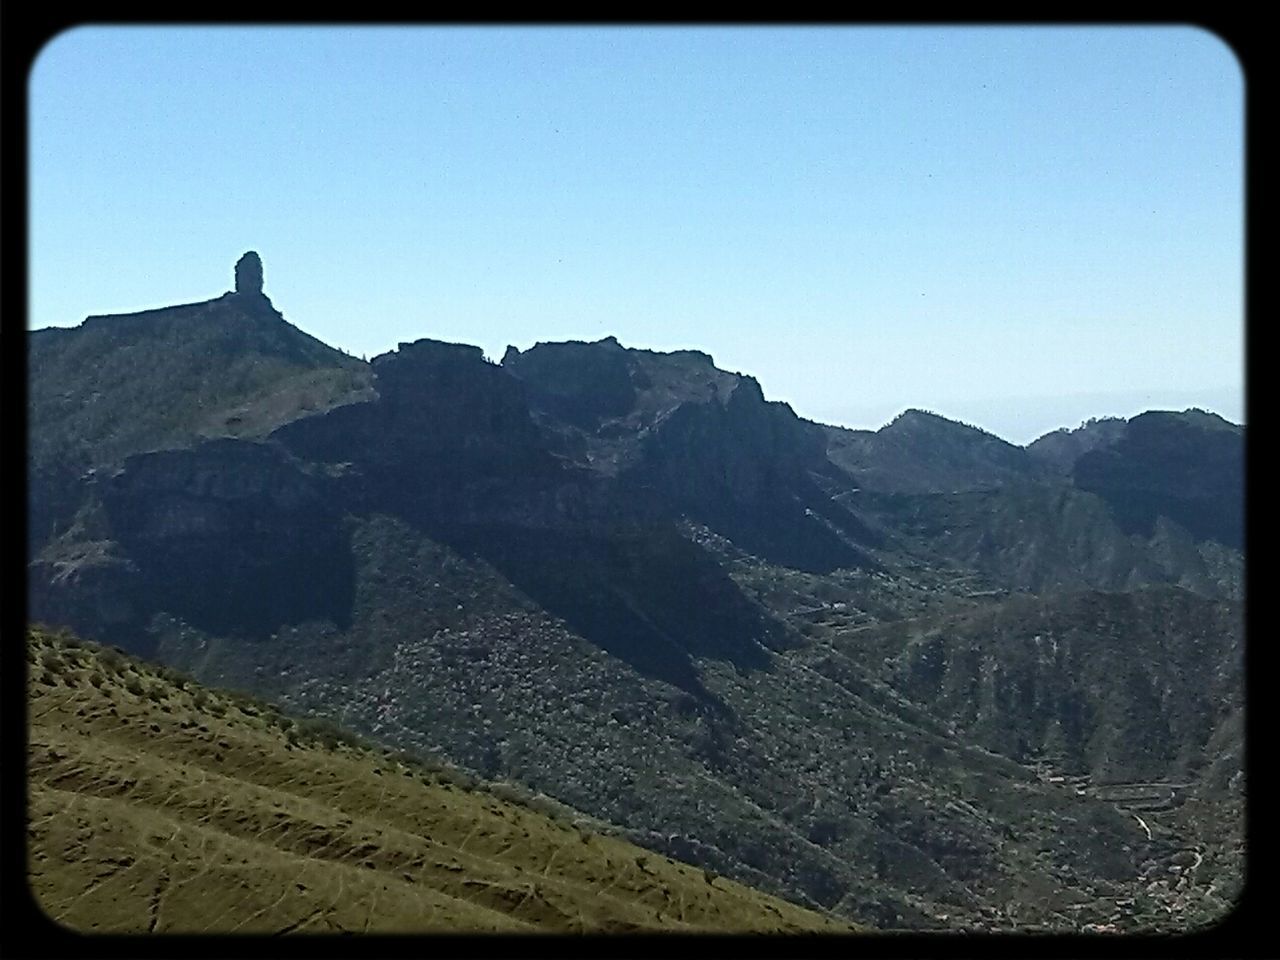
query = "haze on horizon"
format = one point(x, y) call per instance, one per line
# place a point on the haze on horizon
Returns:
point(1019, 228)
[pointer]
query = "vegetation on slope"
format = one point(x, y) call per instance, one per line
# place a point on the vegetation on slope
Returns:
point(1123, 686)
point(801, 773)
point(158, 805)
point(1133, 699)
point(226, 367)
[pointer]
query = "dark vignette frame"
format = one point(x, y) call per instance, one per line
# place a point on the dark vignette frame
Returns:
point(27, 931)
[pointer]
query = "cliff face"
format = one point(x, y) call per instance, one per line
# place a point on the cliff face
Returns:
point(585, 385)
point(232, 536)
point(741, 449)
point(447, 397)
point(448, 439)
point(676, 437)
point(222, 487)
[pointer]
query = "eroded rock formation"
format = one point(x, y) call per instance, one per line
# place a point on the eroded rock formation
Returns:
point(249, 274)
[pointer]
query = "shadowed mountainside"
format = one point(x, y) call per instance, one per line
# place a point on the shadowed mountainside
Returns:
point(1060, 449)
point(1187, 467)
point(921, 452)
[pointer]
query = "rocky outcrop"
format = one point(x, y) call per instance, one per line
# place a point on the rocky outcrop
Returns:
point(745, 467)
point(249, 275)
point(435, 402)
point(232, 536)
point(448, 396)
point(448, 440)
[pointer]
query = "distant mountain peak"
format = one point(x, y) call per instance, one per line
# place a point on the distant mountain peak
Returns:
point(920, 451)
point(915, 418)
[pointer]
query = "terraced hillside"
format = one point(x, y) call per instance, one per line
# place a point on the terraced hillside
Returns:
point(161, 806)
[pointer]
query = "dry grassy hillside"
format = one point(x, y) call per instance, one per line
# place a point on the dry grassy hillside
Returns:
point(158, 805)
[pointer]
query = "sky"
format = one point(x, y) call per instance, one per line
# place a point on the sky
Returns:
point(1016, 227)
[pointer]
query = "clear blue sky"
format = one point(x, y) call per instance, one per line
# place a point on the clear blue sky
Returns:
point(1015, 227)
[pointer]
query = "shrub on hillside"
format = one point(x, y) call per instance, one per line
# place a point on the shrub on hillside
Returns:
point(175, 677)
point(452, 776)
point(112, 660)
point(328, 734)
point(510, 792)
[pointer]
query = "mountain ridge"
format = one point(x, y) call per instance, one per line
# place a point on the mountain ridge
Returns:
point(627, 579)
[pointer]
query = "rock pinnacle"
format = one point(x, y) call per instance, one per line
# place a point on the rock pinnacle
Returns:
point(249, 274)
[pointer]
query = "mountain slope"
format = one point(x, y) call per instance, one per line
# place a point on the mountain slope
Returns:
point(1060, 449)
point(159, 806)
point(1043, 537)
point(1187, 467)
point(118, 385)
point(230, 366)
point(1129, 686)
point(921, 452)
point(791, 770)
point(628, 580)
